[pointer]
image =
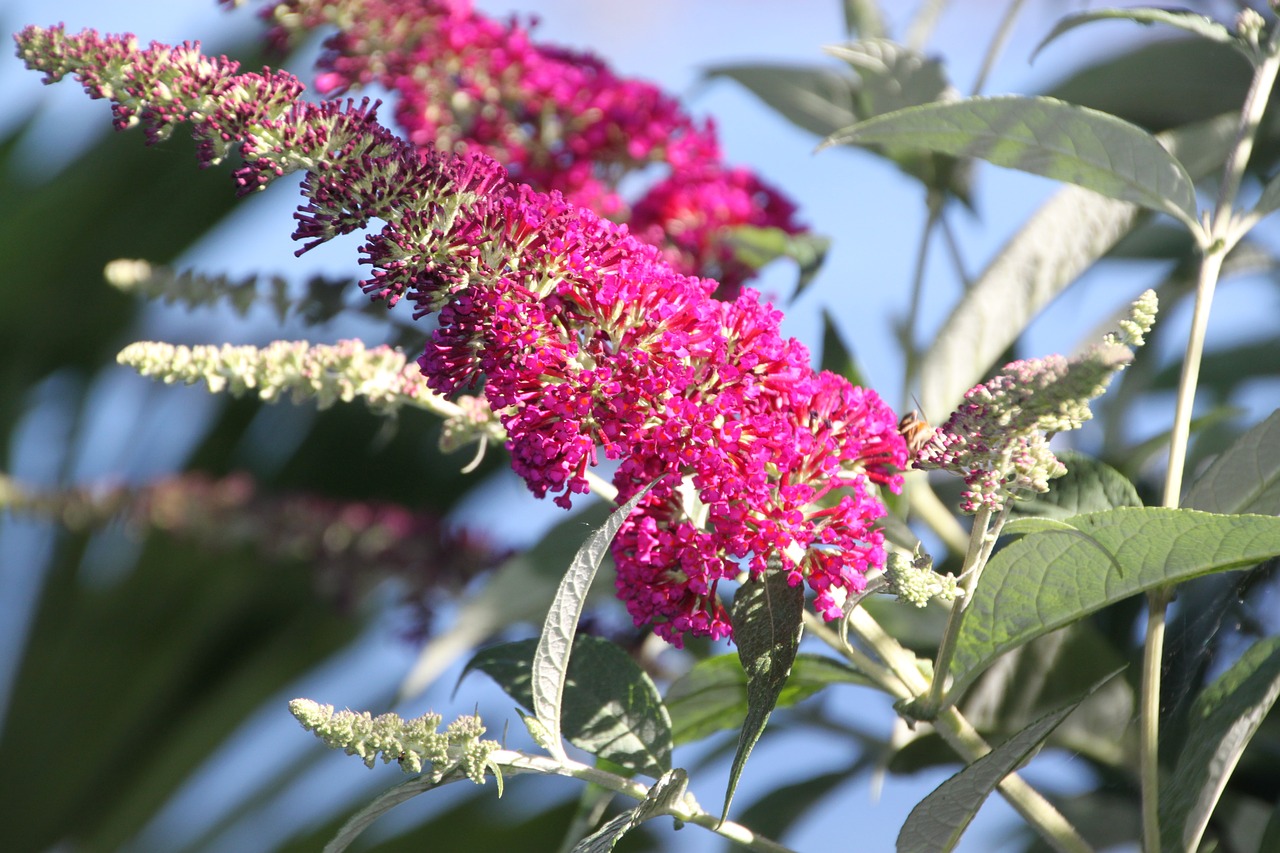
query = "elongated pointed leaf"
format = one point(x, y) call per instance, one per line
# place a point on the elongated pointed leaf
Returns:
point(1223, 719)
point(551, 659)
point(1270, 198)
point(1192, 22)
point(611, 707)
point(1045, 137)
point(521, 590)
point(1065, 237)
point(766, 626)
point(1246, 478)
point(863, 18)
point(939, 820)
point(712, 696)
point(1054, 576)
point(814, 98)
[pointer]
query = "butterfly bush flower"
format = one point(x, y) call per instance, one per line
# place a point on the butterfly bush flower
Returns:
point(998, 440)
point(585, 342)
point(557, 119)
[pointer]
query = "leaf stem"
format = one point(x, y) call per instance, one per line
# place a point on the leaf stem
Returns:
point(998, 42)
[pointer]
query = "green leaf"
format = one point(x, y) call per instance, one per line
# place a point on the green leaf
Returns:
point(1088, 486)
point(837, 357)
point(894, 77)
point(712, 695)
point(939, 820)
point(1192, 22)
point(611, 707)
point(758, 246)
point(1246, 478)
point(1053, 577)
point(766, 626)
point(1045, 137)
point(551, 659)
point(1223, 719)
point(813, 98)
point(663, 795)
point(1065, 237)
point(521, 590)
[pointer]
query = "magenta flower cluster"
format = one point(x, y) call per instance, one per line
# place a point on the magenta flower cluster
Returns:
point(557, 119)
point(584, 340)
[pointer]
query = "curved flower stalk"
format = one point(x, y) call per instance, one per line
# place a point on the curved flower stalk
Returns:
point(583, 339)
point(414, 744)
point(557, 119)
point(998, 440)
point(350, 546)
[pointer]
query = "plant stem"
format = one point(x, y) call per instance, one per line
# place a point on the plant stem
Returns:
point(1219, 239)
point(909, 682)
point(933, 512)
point(688, 811)
point(998, 41)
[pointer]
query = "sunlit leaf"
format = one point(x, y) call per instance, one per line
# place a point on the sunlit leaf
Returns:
point(758, 246)
point(1045, 137)
point(1052, 577)
point(551, 658)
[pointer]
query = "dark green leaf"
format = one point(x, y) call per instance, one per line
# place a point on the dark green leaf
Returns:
point(766, 626)
point(837, 357)
point(1045, 137)
point(1088, 486)
point(939, 820)
point(758, 246)
point(1052, 577)
point(814, 98)
point(712, 696)
point(1062, 239)
point(1246, 478)
point(1192, 22)
point(1199, 80)
point(551, 659)
point(1223, 720)
point(611, 707)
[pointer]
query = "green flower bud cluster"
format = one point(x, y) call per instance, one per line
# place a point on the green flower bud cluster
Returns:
point(326, 373)
point(914, 581)
point(415, 744)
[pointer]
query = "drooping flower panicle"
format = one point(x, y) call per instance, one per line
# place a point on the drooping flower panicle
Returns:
point(998, 440)
point(557, 119)
point(581, 337)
